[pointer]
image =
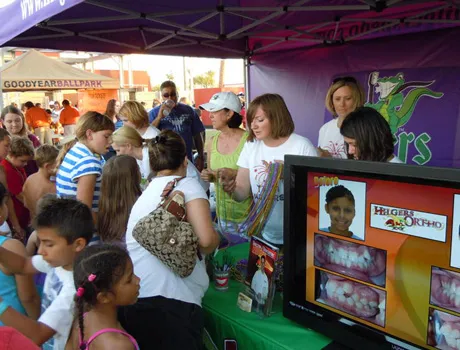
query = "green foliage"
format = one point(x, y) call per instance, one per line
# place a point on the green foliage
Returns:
point(205, 80)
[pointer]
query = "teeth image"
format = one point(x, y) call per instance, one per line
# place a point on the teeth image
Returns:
point(348, 263)
point(342, 298)
point(451, 341)
point(329, 289)
point(333, 285)
point(452, 288)
point(350, 301)
point(359, 305)
point(364, 301)
point(355, 297)
point(455, 333)
point(353, 257)
point(366, 254)
point(339, 291)
point(382, 304)
point(342, 253)
point(373, 304)
point(445, 329)
point(347, 288)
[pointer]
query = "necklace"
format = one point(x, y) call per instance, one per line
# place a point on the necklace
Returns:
point(260, 210)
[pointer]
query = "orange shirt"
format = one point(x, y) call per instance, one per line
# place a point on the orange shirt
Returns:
point(68, 116)
point(37, 117)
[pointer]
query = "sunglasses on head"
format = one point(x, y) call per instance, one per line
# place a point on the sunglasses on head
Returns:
point(172, 94)
point(345, 80)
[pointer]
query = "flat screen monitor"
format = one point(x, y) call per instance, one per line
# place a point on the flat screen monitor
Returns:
point(372, 252)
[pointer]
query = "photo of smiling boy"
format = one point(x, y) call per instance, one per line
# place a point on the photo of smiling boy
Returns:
point(340, 212)
point(64, 227)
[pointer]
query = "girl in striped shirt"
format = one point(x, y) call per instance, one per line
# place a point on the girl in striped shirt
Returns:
point(80, 162)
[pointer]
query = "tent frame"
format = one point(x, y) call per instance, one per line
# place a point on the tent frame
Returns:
point(271, 19)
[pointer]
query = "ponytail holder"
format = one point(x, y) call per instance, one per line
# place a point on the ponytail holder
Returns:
point(80, 292)
point(159, 139)
point(91, 277)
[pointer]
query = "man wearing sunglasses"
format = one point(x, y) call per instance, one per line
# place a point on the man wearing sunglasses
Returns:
point(182, 119)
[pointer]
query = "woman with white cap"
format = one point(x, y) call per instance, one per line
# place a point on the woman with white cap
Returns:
point(223, 152)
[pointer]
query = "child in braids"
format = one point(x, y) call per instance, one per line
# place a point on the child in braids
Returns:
point(104, 280)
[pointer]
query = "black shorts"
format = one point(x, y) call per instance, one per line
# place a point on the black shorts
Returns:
point(162, 323)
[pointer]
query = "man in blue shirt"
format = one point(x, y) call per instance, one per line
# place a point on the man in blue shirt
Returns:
point(182, 119)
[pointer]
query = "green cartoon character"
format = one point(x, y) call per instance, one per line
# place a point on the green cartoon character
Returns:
point(396, 108)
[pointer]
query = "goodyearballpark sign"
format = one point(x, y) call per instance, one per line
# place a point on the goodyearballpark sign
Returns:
point(51, 84)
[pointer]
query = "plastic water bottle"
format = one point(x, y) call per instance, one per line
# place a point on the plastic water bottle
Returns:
point(168, 106)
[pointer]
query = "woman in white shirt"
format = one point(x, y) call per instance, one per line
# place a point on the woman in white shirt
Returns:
point(168, 314)
point(271, 137)
point(368, 136)
point(343, 97)
point(127, 140)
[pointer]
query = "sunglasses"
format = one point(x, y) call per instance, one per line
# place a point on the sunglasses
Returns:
point(345, 80)
point(172, 94)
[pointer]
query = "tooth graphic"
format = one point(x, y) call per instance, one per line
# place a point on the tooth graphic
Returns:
point(373, 304)
point(364, 301)
point(347, 288)
point(339, 291)
point(445, 329)
point(350, 301)
point(355, 297)
point(359, 305)
point(366, 254)
point(457, 300)
point(341, 298)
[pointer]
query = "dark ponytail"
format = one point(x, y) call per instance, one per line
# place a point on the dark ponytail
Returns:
point(96, 269)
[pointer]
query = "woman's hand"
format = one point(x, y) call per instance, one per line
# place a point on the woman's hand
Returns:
point(208, 175)
point(227, 178)
point(323, 153)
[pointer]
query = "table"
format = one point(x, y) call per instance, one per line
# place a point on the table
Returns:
point(225, 320)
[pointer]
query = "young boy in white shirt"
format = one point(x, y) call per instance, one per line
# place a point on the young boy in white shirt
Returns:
point(64, 227)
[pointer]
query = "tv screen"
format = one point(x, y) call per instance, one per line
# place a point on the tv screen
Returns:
point(372, 252)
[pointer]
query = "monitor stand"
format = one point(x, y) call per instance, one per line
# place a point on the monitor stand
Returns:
point(335, 346)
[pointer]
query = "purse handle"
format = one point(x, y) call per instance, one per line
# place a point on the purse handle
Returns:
point(170, 186)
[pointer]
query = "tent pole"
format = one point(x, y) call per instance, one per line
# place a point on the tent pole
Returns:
point(1, 82)
point(122, 79)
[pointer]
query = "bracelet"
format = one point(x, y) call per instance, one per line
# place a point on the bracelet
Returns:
point(3, 306)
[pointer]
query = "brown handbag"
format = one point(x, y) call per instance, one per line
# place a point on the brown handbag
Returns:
point(167, 235)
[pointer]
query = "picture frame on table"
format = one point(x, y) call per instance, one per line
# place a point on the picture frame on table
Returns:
point(259, 289)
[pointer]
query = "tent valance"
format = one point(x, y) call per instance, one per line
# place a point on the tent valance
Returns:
point(213, 28)
point(34, 71)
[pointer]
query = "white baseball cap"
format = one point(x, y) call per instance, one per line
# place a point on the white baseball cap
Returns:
point(221, 100)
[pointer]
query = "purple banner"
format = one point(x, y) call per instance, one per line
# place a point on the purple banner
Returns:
point(421, 106)
point(303, 77)
point(16, 16)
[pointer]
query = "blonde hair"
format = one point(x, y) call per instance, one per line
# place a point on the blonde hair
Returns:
point(277, 113)
point(120, 188)
point(357, 94)
point(89, 121)
point(46, 154)
point(136, 113)
point(127, 134)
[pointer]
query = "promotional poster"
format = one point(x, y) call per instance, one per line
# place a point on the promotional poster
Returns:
point(261, 273)
point(386, 254)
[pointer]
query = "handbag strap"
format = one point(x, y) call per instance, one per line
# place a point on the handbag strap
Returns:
point(170, 186)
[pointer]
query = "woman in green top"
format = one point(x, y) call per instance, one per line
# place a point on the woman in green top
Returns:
point(223, 151)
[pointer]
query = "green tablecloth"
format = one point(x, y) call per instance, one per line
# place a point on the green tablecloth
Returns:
point(224, 319)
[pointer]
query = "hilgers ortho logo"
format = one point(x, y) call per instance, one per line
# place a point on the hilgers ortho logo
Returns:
point(399, 219)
